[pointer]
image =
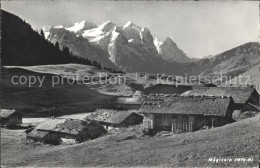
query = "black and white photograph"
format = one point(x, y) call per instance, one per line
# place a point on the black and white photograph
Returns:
point(129, 83)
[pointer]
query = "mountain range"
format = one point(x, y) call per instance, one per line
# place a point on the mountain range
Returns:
point(130, 48)
point(230, 63)
point(134, 49)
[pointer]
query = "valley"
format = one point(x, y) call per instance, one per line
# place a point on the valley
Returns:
point(110, 95)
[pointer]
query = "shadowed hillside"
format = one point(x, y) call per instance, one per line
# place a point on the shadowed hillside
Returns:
point(231, 63)
point(21, 45)
point(65, 98)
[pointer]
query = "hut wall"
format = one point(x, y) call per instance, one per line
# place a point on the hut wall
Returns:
point(162, 122)
point(238, 106)
point(183, 123)
point(248, 107)
point(3, 121)
point(52, 138)
point(132, 120)
point(169, 122)
point(157, 122)
point(210, 122)
point(91, 132)
point(148, 121)
point(16, 119)
point(201, 121)
point(254, 99)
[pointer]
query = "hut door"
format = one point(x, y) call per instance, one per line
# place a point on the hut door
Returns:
point(179, 123)
point(191, 120)
point(150, 121)
point(174, 125)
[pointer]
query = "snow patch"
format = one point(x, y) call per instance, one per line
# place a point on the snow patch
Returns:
point(83, 25)
point(130, 40)
point(46, 35)
point(92, 33)
point(129, 23)
point(77, 26)
point(157, 44)
point(59, 27)
point(101, 30)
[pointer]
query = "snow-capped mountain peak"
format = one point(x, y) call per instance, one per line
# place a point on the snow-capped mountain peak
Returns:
point(79, 26)
point(129, 23)
point(157, 44)
point(107, 26)
point(145, 35)
point(131, 26)
point(132, 33)
point(128, 47)
point(45, 28)
point(170, 52)
point(97, 33)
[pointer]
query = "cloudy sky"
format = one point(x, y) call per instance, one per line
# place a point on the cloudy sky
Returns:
point(199, 28)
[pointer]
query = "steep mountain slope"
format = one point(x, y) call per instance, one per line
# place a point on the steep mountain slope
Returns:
point(230, 63)
point(78, 45)
point(169, 51)
point(131, 47)
point(21, 45)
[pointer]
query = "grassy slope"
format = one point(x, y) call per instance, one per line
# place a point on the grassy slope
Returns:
point(84, 70)
point(253, 73)
point(239, 139)
point(127, 87)
point(64, 97)
point(230, 63)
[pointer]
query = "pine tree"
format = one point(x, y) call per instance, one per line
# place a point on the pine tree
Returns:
point(98, 65)
point(57, 45)
point(42, 34)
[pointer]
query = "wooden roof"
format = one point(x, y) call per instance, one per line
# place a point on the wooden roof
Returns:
point(4, 113)
point(119, 117)
point(190, 105)
point(68, 126)
point(239, 94)
point(37, 133)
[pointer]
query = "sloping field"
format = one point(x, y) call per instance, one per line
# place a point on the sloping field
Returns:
point(235, 140)
point(63, 97)
point(252, 76)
